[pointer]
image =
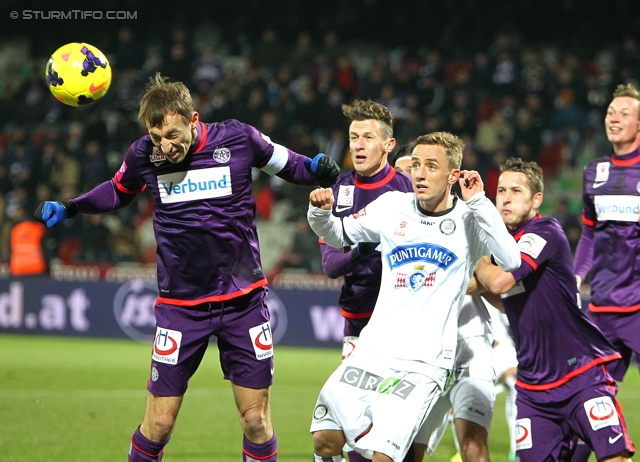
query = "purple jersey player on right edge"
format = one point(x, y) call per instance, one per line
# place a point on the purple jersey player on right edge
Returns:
point(564, 389)
point(210, 278)
point(610, 241)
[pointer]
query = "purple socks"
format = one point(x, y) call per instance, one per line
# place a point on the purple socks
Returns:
point(264, 452)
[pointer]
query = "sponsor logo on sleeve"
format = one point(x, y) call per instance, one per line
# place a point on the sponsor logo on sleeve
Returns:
point(601, 412)
point(262, 340)
point(531, 244)
point(523, 434)
point(166, 346)
point(206, 183)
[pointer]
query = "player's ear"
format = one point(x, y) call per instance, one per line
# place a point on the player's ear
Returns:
point(537, 200)
point(454, 176)
point(389, 145)
point(194, 118)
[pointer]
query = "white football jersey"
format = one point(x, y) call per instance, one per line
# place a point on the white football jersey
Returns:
point(427, 262)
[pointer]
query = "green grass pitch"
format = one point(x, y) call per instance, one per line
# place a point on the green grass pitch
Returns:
point(78, 400)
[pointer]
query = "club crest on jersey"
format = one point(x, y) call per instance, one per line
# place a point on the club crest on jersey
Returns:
point(418, 278)
point(157, 157)
point(222, 155)
point(447, 226)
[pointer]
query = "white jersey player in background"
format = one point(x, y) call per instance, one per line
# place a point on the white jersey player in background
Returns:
point(472, 395)
point(430, 241)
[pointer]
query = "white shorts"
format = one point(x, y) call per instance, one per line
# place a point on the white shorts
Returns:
point(470, 399)
point(472, 395)
point(363, 394)
point(504, 351)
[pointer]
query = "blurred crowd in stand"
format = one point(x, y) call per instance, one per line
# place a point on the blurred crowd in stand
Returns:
point(504, 94)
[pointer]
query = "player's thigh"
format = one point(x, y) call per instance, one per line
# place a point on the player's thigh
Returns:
point(541, 434)
point(597, 420)
point(251, 399)
point(182, 337)
point(473, 400)
point(398, 413)
point(435, 424)
point(342, 404)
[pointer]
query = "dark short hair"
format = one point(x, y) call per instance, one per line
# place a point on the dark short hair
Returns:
point(370, 110)
point(531, 170)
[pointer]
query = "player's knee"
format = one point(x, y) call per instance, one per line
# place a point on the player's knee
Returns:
point(474, 449)
point(327, 443)
point(255, 423)
point(159, 428)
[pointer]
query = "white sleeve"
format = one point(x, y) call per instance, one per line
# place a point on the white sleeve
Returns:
point(346, 231)
point(493, 233)
point(327, 226)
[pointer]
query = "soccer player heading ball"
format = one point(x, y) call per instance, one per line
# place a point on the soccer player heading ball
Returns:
point(208, 256)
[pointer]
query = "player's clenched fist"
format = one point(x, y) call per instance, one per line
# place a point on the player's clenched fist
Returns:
point(321, 198)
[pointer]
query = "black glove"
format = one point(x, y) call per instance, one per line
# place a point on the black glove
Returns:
point(52, 213)
point(323, 168)
point(363, 250)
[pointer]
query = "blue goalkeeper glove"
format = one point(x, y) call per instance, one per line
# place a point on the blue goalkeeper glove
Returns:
point(363, 250)
point(323, 168)
point(52, 213)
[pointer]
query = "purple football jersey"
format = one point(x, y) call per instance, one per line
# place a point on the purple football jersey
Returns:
point(204, 215)
point(611, 206)
point(352, 192)
point(555, 341)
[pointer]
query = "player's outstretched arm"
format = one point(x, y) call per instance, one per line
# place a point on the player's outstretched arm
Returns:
point(493, 277)
point(322, 221)
point(51, 213)
point(323, 168)
point(491, 229)
point(105, 197)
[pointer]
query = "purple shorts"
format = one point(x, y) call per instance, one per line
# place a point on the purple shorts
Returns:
point(621, 329)
point(243, 332)
point(550, 422)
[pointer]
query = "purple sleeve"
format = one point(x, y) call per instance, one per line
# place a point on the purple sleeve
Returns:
point(584, 252)
point(103, 198)
point(266, 152)
point(334, 262)
point(294, 170)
